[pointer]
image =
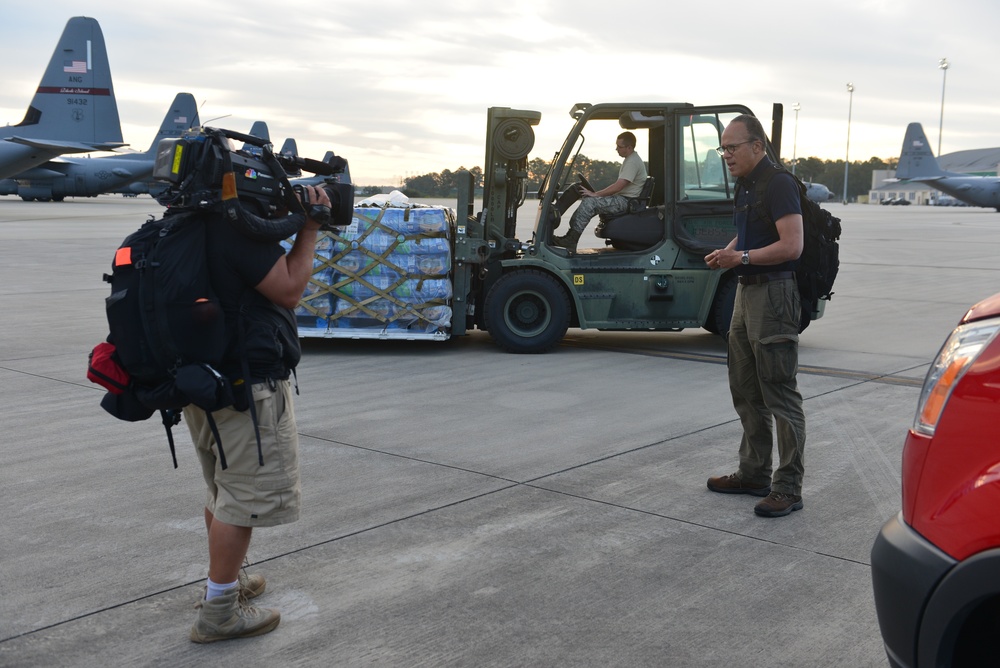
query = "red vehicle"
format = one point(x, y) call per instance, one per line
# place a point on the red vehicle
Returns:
point(936, 566)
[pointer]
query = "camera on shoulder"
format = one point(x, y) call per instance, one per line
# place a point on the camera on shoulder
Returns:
point(204, 171)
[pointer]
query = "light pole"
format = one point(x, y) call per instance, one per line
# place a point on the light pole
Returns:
point(795, 137)
point(943, 66)
point(850, 104)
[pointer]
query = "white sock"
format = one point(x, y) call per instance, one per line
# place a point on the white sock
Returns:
point(214, 589)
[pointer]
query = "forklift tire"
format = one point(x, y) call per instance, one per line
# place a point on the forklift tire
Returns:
point(721, 314)
point(527, 311)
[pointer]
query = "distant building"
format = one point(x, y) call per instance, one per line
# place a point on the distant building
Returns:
point(974, 162)
point(885, 188)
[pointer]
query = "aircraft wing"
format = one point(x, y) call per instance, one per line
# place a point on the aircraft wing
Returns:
point(66, 146)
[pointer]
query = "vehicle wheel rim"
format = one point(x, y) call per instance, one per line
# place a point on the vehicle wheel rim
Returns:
point(527, 314)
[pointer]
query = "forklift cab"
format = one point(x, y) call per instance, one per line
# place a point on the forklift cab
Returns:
point(688, 183)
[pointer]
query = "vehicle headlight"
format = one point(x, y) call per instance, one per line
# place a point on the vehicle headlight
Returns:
point(956, 356)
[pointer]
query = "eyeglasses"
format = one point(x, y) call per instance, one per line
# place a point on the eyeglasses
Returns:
point(731, 148)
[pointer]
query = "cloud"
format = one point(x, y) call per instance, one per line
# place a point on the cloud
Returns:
point(402, 87)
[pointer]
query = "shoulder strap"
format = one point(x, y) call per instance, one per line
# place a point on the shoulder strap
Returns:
point(167, 350)
point(247, 385)
point(170, 418)
point(760, 190)
point(218, 439)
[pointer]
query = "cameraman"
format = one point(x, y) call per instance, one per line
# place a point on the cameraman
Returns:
point(257, 285)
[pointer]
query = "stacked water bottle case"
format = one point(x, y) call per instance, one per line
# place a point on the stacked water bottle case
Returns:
point(387, 275)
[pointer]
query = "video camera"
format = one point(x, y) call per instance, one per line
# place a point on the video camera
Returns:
point(205, 172)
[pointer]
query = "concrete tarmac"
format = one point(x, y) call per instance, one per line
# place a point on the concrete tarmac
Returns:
point(467, 507)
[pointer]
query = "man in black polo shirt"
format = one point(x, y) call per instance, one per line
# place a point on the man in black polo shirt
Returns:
point(764, 335)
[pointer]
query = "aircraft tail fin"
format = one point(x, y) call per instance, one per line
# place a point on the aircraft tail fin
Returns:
point(259, 130)
point(75, 101)
point(182, 115)
point(290, 148)
point(916, 161)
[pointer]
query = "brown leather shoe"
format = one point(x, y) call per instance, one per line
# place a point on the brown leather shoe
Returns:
point(731, 484)
point(778, 505)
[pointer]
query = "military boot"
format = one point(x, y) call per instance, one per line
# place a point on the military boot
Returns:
point(230, 616)
point(568, 241)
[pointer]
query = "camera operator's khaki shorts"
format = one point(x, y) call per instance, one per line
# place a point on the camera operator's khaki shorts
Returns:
point(245, 493)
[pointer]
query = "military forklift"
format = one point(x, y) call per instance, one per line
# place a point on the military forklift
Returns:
point(650, 274)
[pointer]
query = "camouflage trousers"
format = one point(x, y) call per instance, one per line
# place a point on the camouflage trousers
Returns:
point(594, 206)
point(763, 363)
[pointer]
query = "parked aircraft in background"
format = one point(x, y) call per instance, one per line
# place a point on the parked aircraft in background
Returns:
point(290, 150)
point(74, 108)
point(917, 163)
point(817, 192)
point(89, 177)
point(259, 130)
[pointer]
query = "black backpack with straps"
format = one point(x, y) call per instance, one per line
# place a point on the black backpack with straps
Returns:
point(820, 259)
point(168, 332)
point(167, 329)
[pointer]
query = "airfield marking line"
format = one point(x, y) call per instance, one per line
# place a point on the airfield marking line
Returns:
point(831, 372)
point(698, 524)
point(533, 483)
point(297, 550)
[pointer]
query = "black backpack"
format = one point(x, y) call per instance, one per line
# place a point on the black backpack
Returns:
point(167, 329)
point(820, 259)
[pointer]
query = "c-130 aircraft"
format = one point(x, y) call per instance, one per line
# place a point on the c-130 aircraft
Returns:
point(64, 177)
point(917, 163)
point(74, 108)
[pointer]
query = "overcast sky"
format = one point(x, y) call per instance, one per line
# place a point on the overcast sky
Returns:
point(401, 88)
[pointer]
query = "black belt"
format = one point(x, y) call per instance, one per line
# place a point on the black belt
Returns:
point(759, 279)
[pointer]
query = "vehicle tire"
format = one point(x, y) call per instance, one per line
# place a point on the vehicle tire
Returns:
point(721, 313)
point(527, 311)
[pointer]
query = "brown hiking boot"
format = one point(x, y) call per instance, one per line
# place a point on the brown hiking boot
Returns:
point(230, 616)
point(778, 505)
point(251, 586)
point(731, 484)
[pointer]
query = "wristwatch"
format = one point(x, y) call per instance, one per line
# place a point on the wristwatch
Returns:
point(746, 257)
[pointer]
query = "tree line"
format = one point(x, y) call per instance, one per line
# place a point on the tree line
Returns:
point(831, 174)
point(601, 173)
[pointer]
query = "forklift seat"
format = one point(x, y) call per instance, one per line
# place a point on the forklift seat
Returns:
point(637, 203)
point(638, 228)
point(634, 231)
point(641, 202)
